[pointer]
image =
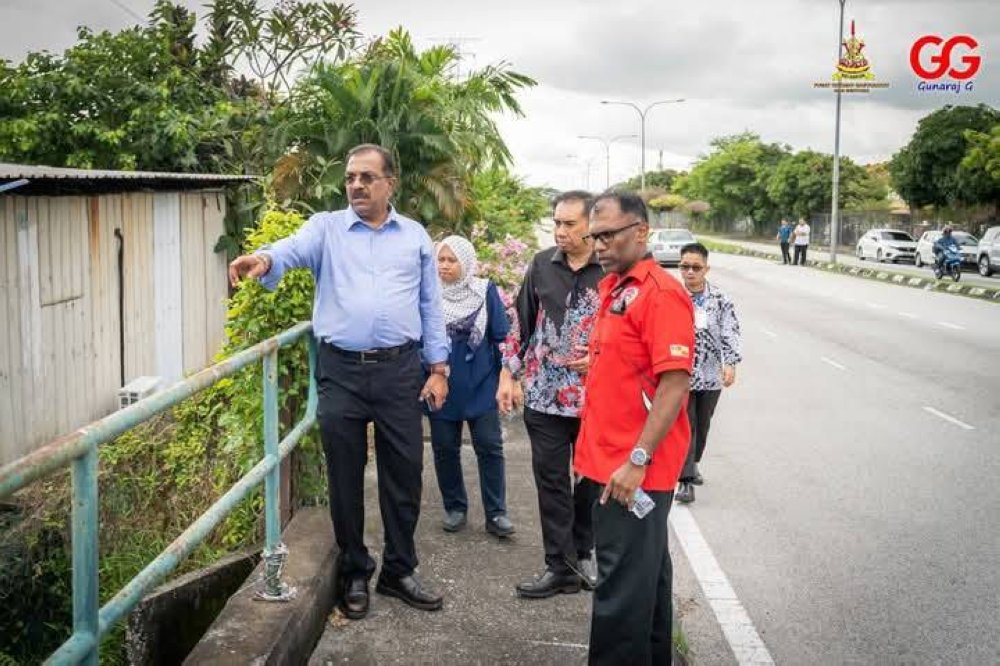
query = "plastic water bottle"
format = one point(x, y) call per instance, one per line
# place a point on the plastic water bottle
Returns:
point(642, 503)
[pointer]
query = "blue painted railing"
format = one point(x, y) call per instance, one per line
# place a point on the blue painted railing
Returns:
point(79, 449)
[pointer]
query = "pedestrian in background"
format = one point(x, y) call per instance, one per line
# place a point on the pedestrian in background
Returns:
point(784, 237)
point(555, 308)
point(634, 434)
point(801, 235)
point(476, 323)
point(718, 350)
point(376, 316)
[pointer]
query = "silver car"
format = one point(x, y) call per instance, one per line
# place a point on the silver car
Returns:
point(666, 244)
point(968, 245)
point(989, 252)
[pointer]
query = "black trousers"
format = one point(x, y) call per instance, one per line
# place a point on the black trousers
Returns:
point(631, 620)
point(800, 254)
point(563, 506)
point(786, 256)
point(701, 407)
point(351, 395)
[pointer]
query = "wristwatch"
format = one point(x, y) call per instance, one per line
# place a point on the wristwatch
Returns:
point(640, 457)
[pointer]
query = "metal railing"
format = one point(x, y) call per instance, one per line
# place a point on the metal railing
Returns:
point(80, 450)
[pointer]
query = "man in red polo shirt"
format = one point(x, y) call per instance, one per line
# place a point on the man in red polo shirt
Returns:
point(634, 433)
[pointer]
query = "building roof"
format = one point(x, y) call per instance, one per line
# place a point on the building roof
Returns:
point(63, 180)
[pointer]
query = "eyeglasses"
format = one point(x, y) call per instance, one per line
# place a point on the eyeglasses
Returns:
point(688, 268)
point(365, 178)
point(606, 236)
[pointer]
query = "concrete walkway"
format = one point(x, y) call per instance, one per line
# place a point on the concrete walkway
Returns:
point(483, 621)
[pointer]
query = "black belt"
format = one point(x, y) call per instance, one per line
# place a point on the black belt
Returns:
point(369, 356)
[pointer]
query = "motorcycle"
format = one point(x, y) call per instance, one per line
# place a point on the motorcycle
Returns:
point(948, 261)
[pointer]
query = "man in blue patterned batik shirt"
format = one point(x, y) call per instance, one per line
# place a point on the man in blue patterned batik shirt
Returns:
point(377, 317)
point(555, 311)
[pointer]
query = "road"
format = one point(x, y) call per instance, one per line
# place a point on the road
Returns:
point(969, 273)
point(851, 493)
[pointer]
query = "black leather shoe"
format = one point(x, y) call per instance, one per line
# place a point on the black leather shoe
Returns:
point(550, 583)
point(410, 591)
point(685, 494)
point(697, 479)
point(354, 602)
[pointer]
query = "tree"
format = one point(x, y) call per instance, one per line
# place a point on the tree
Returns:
point(441, 130)
point(978, 175)
point(802, 184)
point(925, 171)
point(505, 206)
point(663, 180)
point(667, 202)
point(732, 179)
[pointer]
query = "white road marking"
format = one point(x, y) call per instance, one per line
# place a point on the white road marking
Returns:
point(743, 639)
point(577, 646)
point(908, 315)
point(768, 333)
point(949, 418)
point(876, 306)
point(832, 362)
point(948, 324)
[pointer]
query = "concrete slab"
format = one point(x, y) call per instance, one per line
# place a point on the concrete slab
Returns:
point(483, 621)
point(256, 632)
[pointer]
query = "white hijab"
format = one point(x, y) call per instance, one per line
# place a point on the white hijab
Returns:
point(466, 295)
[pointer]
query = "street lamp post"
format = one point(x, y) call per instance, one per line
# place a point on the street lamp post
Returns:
point(642, 128)
point(607, 153)
point(834, 206)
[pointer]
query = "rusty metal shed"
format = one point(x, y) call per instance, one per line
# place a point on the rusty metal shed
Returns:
point(105, 276)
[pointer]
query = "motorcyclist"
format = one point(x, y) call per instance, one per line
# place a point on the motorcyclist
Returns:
point(945, 242)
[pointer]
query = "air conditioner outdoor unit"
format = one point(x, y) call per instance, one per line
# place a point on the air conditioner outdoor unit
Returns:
point(136, 390)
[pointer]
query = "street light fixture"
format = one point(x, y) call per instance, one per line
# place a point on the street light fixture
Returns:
point(607, 152)
point(834, 206)
point(642, 127)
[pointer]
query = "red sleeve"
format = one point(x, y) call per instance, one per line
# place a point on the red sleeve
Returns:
point(668, 331)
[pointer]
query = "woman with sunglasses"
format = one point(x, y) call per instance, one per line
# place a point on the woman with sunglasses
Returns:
point(718, 350)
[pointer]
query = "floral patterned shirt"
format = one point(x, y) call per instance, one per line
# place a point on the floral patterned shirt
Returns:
point(553, 314)
point(717, 338)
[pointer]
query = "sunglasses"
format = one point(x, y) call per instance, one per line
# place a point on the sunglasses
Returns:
point(688, 268)
point(365, 178)
point(606, 236)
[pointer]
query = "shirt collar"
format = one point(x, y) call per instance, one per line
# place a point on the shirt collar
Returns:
point(559, 257)
point(356, 219)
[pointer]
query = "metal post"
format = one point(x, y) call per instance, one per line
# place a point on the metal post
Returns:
point(835, 204)
point(85, 572)
point(642, 129)
point(275, 553)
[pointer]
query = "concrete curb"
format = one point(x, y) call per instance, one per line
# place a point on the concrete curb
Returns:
point(878, 274)
point(248, 631)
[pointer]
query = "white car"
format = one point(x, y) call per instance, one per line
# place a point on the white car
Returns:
point(887, 245)
point(968, 245)
point(666, 244)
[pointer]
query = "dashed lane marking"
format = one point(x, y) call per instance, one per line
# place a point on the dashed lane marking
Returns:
point(832, 363)
point(949, 418)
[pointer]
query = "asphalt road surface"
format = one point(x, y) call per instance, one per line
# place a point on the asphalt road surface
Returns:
point(851, 478)
point(969, 273)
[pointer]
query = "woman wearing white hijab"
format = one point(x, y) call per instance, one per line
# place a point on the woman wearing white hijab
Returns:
point(477, 324)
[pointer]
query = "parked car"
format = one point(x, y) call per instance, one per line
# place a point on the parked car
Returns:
point(666, 244)
point(887, 245)
point(967, 244)
point(988, 253)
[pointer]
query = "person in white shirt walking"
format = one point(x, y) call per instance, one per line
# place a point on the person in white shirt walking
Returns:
point(801, 243)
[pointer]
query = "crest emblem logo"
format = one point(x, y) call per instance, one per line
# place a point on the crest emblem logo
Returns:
point(853, 64)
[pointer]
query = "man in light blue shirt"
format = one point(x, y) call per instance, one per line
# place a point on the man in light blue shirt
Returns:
point(376, 314)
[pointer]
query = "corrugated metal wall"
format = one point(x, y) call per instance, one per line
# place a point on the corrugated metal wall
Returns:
point(60, 355)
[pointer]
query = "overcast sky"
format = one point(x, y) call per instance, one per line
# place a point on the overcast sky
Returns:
point(740, 64)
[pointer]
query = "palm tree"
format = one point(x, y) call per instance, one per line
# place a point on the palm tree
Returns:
point(441, 130)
